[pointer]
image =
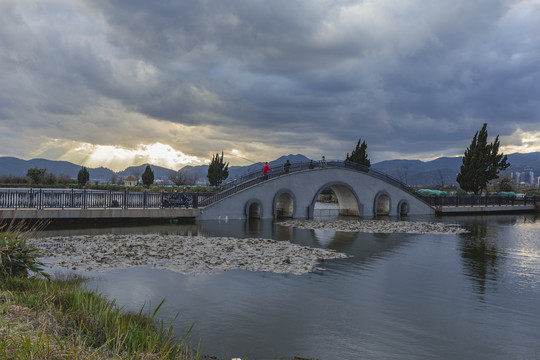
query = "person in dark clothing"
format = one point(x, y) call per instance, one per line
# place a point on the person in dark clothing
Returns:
point(287, 166)
point(323, 162)
point(311, 165)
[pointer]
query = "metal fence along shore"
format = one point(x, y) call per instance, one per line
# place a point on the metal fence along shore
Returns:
point(479, 200)
point(87, 199)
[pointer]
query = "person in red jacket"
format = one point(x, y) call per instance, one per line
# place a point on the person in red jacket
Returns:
point(266, 169)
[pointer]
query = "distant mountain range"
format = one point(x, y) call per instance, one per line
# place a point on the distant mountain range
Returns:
point(18, 167)
point(412, 172)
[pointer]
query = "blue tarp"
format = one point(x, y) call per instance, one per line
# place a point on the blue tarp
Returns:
point(429, 192)
point(507, 193)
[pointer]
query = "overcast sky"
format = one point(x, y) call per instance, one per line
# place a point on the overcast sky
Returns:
point(119, 82)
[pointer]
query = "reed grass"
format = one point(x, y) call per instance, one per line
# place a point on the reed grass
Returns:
point(58, 319)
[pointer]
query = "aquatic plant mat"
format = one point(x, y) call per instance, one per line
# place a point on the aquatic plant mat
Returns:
point(184, 254)
point(377, 226)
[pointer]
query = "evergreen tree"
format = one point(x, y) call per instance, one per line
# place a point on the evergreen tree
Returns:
point(83, 177)
point(50, 179)
point(148, 176)
point(481, 163)
point(359, 154)
point(37, 175)
point(218, 170)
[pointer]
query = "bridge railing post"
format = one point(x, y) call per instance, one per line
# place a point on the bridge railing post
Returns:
point(40, 199)
point(195, 198)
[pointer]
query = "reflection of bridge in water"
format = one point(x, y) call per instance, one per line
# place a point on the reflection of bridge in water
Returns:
point(360, 191)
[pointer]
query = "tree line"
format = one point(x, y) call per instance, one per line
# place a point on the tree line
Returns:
point(42, 177)
point(37, 176)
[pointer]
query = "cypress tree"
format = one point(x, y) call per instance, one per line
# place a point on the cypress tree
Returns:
point(83, 177)
point(481, 163)
point(218, 170)
point(359, 154)
point(148, 176)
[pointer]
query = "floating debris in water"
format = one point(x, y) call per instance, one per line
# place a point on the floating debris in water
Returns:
point(377, 226)
point(183, 254)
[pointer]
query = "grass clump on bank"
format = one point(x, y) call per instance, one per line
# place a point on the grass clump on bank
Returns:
point(42, 318)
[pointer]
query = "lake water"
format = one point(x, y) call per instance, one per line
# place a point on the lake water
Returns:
point(400, 296)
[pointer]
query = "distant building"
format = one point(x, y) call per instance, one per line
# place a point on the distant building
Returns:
point(130, 181)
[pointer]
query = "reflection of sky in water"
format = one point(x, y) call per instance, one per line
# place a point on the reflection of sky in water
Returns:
point(523, 256)
point(510, 250)
point(324, 237)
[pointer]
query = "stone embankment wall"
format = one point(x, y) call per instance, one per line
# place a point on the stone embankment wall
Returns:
point(90, 215)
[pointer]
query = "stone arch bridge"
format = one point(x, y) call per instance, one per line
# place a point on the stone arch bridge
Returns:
point(360, 191)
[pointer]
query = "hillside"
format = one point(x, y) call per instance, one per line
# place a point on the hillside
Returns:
point(445, 169)
point(18, 167)
point(416, 172)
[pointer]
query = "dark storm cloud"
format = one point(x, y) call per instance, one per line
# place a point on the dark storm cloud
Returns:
point(457, 66)
point(410, 78)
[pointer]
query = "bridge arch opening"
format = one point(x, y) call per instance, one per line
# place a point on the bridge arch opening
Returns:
point(334, 200)
point(253, 209)
point(403, 208)
point(382, 204)
point(284, 205)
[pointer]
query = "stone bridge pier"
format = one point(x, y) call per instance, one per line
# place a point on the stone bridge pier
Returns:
point(294, 195)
